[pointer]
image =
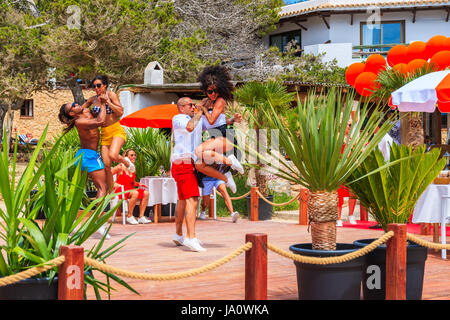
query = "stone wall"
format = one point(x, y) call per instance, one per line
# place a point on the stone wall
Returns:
point(46, 109)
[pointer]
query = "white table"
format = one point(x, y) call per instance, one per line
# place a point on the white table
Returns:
point(161, 191)
point(433, 207)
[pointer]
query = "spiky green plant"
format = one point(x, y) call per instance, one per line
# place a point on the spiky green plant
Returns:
point(321, 156)
point(152, 149)
point(391, 79)
point(256, 95)
point(27, 243)
point(391, 194)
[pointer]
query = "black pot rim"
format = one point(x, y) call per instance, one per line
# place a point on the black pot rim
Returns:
point(361, 243)
point(295, 248)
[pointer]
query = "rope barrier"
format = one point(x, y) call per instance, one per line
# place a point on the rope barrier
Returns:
point(31, 272)
point(192, 272)
point(331, 260)
point(169, 276)
point(427, 244)
point(237, 198)
point(277, 204)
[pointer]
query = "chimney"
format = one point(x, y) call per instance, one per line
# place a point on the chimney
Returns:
point(154, 73)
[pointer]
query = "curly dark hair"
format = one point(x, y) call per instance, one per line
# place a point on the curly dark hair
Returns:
point(219, 76)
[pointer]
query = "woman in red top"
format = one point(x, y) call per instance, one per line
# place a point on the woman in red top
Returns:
point(127, 179)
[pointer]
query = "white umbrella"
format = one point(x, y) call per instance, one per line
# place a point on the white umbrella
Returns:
point(423, 93)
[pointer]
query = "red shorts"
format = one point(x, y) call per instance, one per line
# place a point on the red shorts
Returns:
point(184, 176)
point(343, 192)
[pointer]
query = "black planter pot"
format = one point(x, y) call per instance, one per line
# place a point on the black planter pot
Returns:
point(31, 289)
point(265, 210)
point(374, 288)
point(339, 281)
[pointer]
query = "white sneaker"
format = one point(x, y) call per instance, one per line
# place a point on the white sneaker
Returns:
point(132, 220)
point(352, 219)
point(144, 220)
point(102, 231)
point(235, 164)
point(131, 166)
point(193, 244)
point(178, 240)
point(235, 216)
point(339, 223)
point(230, 183)
point(202, 216)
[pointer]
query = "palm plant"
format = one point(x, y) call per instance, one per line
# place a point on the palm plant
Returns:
point(322, 155)
point(254, 96)
point(391, 194)
point(390, 80)
point(152, 149)
point(60, 192)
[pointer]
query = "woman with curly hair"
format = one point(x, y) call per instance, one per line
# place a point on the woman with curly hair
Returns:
point(216, 83)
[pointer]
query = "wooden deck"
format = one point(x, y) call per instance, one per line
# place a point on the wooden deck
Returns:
point(151, 250)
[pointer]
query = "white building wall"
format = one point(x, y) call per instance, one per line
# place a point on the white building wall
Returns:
point(427, 24)
point(133, 102)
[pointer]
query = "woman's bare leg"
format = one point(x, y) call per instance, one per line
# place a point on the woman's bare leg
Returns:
point(114, 151)
point(143, 204)
point(210, 171)
point(213, 150)
point(223, 191)
point(132, 202)
point(104, 150)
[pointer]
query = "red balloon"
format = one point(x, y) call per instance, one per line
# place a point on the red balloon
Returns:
point(441, 60)
point(415, 64)
point(417, 50)
point(435, 44)
point(447, 44)
point(401, 67)
point(353, 71)
point(375, 63)
point(397, 54)
point(364, 81)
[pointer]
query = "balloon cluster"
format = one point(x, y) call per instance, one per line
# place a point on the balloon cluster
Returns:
point(404, 59)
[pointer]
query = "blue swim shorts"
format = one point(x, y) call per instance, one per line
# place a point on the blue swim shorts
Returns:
point(209, 183)
point(90, 160)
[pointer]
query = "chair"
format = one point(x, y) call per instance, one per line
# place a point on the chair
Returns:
point(114, 203)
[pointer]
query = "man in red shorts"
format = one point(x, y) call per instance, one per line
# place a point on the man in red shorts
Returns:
point(187, 135)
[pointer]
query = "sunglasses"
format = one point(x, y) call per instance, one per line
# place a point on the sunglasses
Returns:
point(98, 85)
point(189, 104)
point(72, 106)
point(212, 91)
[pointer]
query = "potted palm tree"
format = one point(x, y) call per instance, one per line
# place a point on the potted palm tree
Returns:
point(253, 96)
point(390, 196)
point(29, 243)
point(322, 158)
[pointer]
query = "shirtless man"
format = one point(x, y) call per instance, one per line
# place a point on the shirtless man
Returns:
point(73, 115)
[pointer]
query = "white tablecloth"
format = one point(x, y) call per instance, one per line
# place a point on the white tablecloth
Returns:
point(161, 190)
point(429, 206)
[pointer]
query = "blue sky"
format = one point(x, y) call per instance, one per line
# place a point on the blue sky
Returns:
point(292, 1)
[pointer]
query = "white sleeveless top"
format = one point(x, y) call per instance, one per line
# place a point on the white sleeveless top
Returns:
point(221, 120)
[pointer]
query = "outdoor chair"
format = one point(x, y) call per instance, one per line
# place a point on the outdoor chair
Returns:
point(124, 206)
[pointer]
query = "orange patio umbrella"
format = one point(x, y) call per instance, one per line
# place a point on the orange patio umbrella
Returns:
point(157, 116)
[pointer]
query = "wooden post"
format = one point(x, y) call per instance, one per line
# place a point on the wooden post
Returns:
point(363, 213)
point(396, 263)
point(425, 229)
point(254, 203)
point(303, 207)
point(256, 267)
point(71, 273)
point(211, 207)
point(157, 213)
